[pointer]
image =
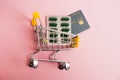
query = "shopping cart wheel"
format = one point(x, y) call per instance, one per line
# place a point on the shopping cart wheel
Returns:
point(61, 65)
point(33, 63)
point(64, 65)
point(67, 66)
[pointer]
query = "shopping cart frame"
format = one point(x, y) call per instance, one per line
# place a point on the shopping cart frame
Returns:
point(42, 46)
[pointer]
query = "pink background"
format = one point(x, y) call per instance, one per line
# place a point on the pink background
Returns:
point(97, 58)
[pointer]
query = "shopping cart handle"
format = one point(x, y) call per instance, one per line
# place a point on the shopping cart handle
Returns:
point(35, 16)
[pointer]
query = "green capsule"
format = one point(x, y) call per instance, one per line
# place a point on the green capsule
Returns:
point(53, 35)
point(65, 19)
point(64, 35)
point(65, 40)
point(65, 29)
point(53, 24)
point(53, 41)
point(64, 24)
point(52, 19)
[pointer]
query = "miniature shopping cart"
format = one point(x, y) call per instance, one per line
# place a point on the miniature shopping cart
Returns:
point(55, 36)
